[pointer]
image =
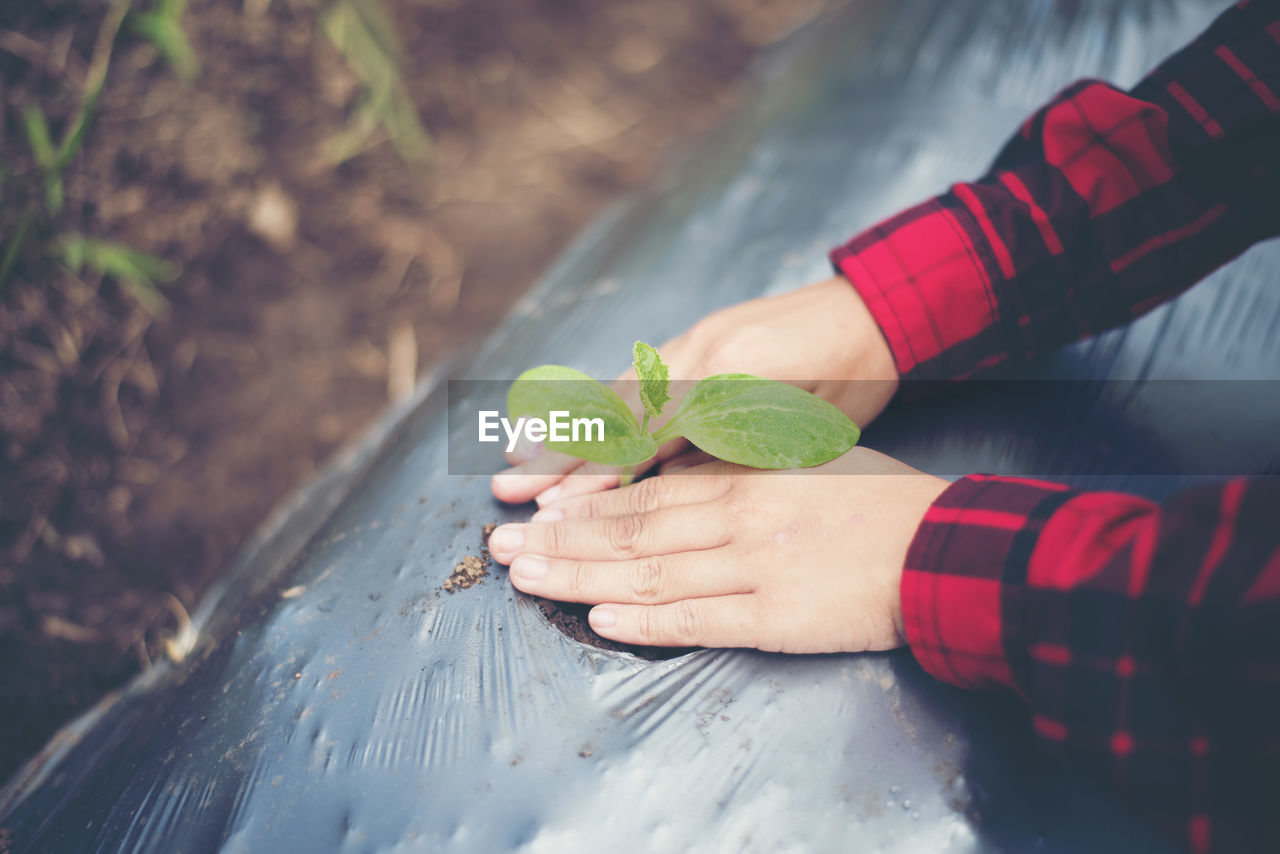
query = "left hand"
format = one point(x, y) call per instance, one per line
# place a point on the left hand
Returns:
point(724, 556)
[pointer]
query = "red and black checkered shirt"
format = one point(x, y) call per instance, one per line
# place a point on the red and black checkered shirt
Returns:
point(1144, 636)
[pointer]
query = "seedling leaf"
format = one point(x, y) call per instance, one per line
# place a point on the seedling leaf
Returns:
point(137, 272)
point(540, 391)
point(162, 26)
point(655, 380)
point(761, 423)
point(13, 246)
point(366, 38)
point(38, 136)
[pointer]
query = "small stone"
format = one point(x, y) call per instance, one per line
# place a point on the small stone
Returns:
point(274, 217)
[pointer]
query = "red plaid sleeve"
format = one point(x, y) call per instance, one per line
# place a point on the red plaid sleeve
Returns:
point(1145, 638)
point(1103, 205)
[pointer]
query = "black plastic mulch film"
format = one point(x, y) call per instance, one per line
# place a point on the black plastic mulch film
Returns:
point(366, 710)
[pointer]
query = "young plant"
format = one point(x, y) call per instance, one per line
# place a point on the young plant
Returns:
point(739, 418)
point(369, 42)
point(139, 273)
point(162, 26)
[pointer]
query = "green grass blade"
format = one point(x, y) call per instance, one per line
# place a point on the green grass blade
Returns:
point(380, 27)
point(95, 79)
point(162, 26)
point(365, 37)
point(13, 246)
point(38, 137)
point(137, 272)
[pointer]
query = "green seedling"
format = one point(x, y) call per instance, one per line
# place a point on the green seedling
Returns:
point(162, 26)
point(139, 273)
point(46, 156)
point(739, 418)
point(53, 161)
point(366, 37)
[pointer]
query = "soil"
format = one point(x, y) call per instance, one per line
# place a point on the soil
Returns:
point(571, 619)
point(139, 448)
point(466, 573)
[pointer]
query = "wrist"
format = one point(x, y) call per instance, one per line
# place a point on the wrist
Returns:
point(874, 356)
point(868, 376)
point(921, 493)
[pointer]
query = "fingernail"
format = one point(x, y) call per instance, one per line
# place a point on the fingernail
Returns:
point(672, 469)
point(506, 540)
point(526, 450)
point(551, 514)
point(549, 495)
point(602, 618)
point(529, 567)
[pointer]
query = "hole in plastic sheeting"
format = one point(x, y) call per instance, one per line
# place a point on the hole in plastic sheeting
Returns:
point(570, 619)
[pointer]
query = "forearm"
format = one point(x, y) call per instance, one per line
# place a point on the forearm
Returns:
point(1103, 205)
point(1145, 638)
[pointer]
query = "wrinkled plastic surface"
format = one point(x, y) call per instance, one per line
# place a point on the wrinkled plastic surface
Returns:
point(369, 712)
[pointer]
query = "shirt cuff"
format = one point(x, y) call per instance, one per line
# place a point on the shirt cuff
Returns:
point(925, 276)
point(964, 580)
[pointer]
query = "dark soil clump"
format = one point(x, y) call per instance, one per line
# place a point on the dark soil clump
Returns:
point(468, 572)
point(571, 619)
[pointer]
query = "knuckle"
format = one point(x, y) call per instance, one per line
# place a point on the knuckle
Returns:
point(556, 538)
point(734, 352)
point(686, 624)
point(624, 532)
point(647, 495)
point(740, 507)
point(577, 579)
point(647, 579)
point(646, 626)
point(709, 330)
point(595, 505)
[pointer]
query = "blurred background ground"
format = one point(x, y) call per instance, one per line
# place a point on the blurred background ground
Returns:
point(275, 215)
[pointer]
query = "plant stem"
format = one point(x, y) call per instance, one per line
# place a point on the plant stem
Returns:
point(629, 473)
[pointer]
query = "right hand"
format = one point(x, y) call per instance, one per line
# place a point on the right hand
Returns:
point(818, 338)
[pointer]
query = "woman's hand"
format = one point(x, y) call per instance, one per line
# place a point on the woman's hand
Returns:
point(819, 337)
point(720, 555)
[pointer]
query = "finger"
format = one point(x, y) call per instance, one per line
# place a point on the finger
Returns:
point(685, 460)
point(521, 483)
point(524, 451)
point(717, 621)
point(643, 497)
point(689, 527)
point(586, 479)
point(515, 486)
point(593, 478)
point(649, 580)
